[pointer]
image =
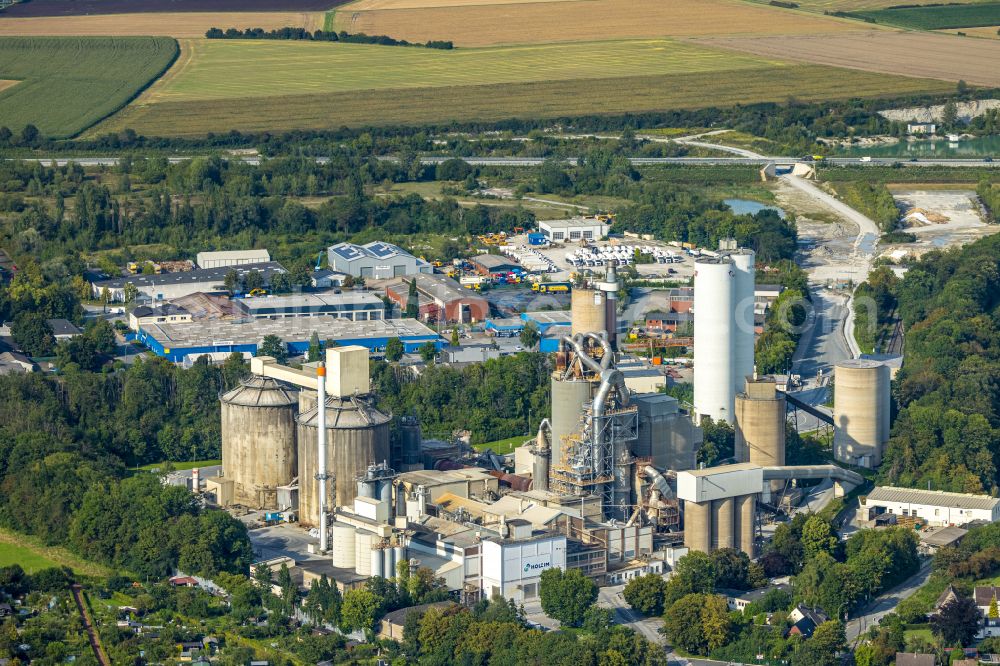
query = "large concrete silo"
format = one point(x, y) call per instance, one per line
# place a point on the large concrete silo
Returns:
point(743, 317)
point(760, 423)
point(568, 399)
point(357, 436)
point(588, 311)
point(258, 440)
point(714, 338)
point(860, 403)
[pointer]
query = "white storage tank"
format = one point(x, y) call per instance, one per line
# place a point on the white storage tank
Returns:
point(714, 344)
point(378, 563)
point(343, 545)
point(363, 542)
point(743, 335)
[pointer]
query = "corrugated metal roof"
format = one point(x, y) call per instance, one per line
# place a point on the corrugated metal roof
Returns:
point(932, 497)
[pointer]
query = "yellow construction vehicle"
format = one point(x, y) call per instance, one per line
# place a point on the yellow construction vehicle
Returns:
point(257, 292)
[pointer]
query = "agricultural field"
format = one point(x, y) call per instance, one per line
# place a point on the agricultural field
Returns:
point(577, 20)
point(190, 24)
point(65, 85)
point(224, 69)
point(990, 32)
point(542, 99)
point(864, 5)
point(937, 18)
point(92, 7)
point(944, 57)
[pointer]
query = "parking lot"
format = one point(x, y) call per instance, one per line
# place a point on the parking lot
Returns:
point(682, 270)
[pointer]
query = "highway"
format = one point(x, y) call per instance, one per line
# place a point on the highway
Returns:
point(761, 160)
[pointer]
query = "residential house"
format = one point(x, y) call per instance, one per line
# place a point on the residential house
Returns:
point(914, 659)
point(805, 620)
point(63, 329)
point(738, 600)
point(391, 626)
point(12, 363)
point(985, 597)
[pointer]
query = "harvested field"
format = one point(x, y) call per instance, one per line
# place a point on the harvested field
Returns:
point(190, 24)
point(988, 32)
point(68, 84)
point(940, 56)
point(234, 69)
point(582, 20)
point(937, 18)
point(364, 5)
point(85, 7)
point(7, 83)
point(548, 99)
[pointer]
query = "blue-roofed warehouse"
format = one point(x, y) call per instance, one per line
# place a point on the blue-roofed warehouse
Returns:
point(192, 339)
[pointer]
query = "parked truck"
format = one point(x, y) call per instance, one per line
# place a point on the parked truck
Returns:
point(552, 287)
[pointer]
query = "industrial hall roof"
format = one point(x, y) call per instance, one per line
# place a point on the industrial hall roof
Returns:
point(192, 277)
point(932, 498)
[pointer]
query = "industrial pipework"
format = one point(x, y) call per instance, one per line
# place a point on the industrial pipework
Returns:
point(598, 458)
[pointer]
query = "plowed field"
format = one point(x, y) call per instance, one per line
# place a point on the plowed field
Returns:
point(188, 24)
point(583, 20)
point(921, 54)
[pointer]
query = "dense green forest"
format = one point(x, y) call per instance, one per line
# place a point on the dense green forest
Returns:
point(946, 432)
point(492, 400)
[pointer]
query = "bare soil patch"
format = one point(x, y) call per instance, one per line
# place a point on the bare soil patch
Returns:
point(582, 20)
point(187, 24)
point(7, 83)
point(94, 7)
point(926, 55)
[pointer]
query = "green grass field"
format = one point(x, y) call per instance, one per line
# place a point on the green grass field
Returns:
point(65, 85)
point(503, 446)
point(178, 466)
point(33, 555)
point(29, 560)
point(218, 69)
point(937, 18)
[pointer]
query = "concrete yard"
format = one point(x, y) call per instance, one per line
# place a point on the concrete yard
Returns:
point(683, 271)
point(940, 219)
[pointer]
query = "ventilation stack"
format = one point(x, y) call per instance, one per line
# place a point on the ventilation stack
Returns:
point(861, 403)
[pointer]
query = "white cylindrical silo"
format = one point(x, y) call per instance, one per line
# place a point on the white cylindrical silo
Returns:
point(743, 336)
point(343, 546)
point(363, 542)
point(714, 307)
point(378, 563)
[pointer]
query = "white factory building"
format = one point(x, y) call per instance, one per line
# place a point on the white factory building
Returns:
point(376, 260)
point(513, 567)
point(932, 507)
point(574, 229)
point(232, 258)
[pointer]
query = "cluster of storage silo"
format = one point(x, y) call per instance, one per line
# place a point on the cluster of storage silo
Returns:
point(269, 435)
point(861, 411)
point(720, 505)
point(365, 552)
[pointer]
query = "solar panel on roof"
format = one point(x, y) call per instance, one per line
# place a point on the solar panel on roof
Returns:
point(382, 250)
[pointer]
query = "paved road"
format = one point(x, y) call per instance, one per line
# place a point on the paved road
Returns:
point(887, 603)
point(536, 161)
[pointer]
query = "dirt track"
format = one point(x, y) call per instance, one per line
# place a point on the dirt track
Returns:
point(188, 24)
point(920, 54)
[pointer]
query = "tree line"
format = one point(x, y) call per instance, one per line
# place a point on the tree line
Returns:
point(301, 34)
point(946, 431)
